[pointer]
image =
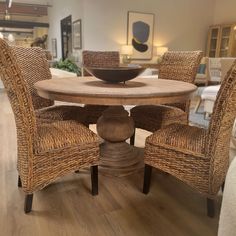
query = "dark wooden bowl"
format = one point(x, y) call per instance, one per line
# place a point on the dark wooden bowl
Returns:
point(115, 74)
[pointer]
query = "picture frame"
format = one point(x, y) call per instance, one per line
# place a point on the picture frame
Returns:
point(54, 48)
point(77, 34)
point(140, 34)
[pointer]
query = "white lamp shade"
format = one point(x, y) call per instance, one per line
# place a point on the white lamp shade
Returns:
point(1, 35)
point(11, 38)
point(161, 51)
point(126, 50)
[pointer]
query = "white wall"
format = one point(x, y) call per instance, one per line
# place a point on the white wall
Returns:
point(57, 12)
point(225, 11)
point(179, 24)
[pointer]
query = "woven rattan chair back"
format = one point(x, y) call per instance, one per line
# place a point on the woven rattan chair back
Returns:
point(100, 59)
point(220, 130)
point(180, 66)
point(34, 67)
point(21, 102)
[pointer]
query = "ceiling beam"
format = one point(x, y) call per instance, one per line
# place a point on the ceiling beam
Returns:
point(22, 24)
point(27, 4)
point(24, 9)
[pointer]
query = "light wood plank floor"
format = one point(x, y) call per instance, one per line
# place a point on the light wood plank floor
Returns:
point(67, 207)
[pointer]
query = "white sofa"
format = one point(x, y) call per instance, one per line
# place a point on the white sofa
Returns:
point(209, 96)
point(209, 93)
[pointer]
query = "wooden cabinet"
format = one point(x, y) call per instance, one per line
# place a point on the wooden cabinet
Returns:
point(222, 41)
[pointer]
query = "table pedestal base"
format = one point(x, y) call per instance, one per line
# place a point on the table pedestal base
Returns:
point(120, 159)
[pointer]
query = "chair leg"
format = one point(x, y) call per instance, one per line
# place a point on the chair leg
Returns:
point(199, 101)
point(223, 186)
point(94, 180)
point(147, 178)
point(19, 182)
point(28, 203)
point(210, 207)
point(207, 116)
point(132, 138)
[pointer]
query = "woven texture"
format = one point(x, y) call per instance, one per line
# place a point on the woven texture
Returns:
point(45, 152)
point(180, 66)
point(98, 59)
point(153, 117)
point(57, 113)
point(67, 134)
point(34, 67)
point(196, 156)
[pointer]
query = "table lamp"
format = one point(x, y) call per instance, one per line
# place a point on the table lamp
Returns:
point(126, 52)
point(160, 52)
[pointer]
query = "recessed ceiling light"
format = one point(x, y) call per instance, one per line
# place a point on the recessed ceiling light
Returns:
point(9, 3)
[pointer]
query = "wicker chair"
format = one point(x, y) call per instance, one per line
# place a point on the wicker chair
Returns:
point(45, 151)
point(98, 59)
point(174, 66)
point(34, 67)
point(198, 157)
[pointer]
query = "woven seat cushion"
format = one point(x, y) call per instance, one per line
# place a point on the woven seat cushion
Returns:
point(59, 113)
point(152, 118)
point(179, 137)
point(62, 135)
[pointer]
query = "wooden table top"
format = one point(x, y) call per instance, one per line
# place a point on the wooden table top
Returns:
point(140, 91)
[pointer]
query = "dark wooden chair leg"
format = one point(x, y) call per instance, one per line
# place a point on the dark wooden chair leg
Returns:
point(19, 182)
point(147, 178)
point(210, 207)
point(94, 180)
point(77, 171)
point(223, 186)
point(132, 138)
point(28, 203)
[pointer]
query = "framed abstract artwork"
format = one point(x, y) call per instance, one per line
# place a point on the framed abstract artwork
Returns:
point(54, 48)
point(140, 34)
point(77, 34)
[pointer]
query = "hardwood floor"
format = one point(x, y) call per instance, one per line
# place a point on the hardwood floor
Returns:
point(67, 207)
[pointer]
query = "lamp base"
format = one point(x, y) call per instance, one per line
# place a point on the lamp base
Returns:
point(126, 59)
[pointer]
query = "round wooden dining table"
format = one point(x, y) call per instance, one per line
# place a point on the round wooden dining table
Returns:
point(115, 126)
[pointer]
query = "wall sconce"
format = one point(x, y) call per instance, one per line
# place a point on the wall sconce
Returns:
point(126, 52)
point(160, 52)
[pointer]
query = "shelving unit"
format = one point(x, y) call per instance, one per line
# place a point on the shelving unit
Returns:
point(222, 41)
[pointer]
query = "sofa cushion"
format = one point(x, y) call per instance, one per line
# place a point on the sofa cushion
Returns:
point(210, 92)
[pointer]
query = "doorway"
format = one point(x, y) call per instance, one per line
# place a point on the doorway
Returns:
point(66, 37)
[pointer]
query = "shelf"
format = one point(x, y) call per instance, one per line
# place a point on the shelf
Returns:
point(221, 40)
